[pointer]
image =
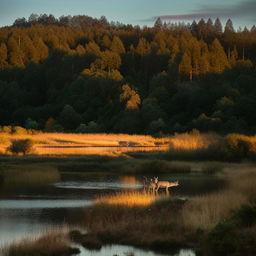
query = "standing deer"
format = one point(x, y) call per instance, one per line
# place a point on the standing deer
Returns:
point(152, 186)
point(149, 185)
point(165, 184)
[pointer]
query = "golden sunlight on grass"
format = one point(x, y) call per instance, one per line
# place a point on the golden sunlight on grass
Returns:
point(206, 211)
point(188, 141)
point(86, 144)
point(129, 180)
point(128, 198)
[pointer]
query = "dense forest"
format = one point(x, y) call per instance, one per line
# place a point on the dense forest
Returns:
point(81, 74)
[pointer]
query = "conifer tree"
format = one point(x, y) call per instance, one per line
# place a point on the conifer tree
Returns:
point(117, 45)
point(219, 59)
point(158, 23)
point(14, 52)
point(3, 56)
point(218, 27)
point(106, 42)
point(143, 47)
point(229, 26)
point(185, 66)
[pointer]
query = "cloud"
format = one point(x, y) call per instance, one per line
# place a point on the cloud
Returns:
point(244, 9)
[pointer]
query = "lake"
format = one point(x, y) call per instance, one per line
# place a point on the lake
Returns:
point(32, 210)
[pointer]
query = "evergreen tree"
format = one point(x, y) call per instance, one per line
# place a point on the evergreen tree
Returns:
point(106, 42)
point(217, 27)
point(218, 58)
point(229, 27)
point(158, 23)
point(143, 47)
point(130, 96)
point(3, 56)
point(185, 66)
point(15, 54)
point(93, 48)
point(117, 45)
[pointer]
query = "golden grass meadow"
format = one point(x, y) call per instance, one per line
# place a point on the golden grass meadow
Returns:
point(64, 144)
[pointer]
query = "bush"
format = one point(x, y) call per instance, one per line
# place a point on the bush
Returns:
point(91, 127)
point(21, 146)
point(239, 146)
point(5, 129)
point(31, 124)
point(233, 236)
point(18, 130)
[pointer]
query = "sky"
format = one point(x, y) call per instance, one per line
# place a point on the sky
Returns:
point(135, 12)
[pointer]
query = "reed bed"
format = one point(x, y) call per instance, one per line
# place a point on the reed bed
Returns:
point(193, 141)
point(52, 242)
point(204, 212)
point(29, 175)
point(127, 198)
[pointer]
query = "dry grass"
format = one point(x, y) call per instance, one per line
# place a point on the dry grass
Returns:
point(206, 211)
point(166, 222)
point(156, 225)
point(128, 198)
point(188, 141)
point(29, 175)
point(87, 144)
point(53, 242)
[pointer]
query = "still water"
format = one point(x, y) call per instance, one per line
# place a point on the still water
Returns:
point(30, 211)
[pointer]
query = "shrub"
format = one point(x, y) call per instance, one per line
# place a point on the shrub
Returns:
point(6, 129)
point(18, 130)
point(239, 146)
point(31, 124)
point(233, 236)
point(21, 146)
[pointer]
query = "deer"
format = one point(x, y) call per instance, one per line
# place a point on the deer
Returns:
point(165, 184)
point(149, 185)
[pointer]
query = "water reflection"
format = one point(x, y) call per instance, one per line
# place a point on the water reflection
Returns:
point(129, 180)
point(31, 210)
point(122, 250)
point(19, 223)
point(43, 204)
point(97, 185)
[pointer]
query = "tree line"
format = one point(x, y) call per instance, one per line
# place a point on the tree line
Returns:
point(88, 75)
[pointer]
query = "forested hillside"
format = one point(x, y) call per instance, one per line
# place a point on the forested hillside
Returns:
point(82, 74)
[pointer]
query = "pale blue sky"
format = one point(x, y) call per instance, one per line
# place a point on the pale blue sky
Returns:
point(141, 12)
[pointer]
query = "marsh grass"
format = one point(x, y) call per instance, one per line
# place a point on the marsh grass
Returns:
point(193, 141)
point(210, 146)
point(204, 212)
point(127, 198)
point(168, 222)
point(29, 175)
point(154, 225)
point(52, 242)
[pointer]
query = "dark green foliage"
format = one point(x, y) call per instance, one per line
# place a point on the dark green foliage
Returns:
point(233, 236)
point(154, 166)
point(31, 124)
point(21, 146)
point(165, 79)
